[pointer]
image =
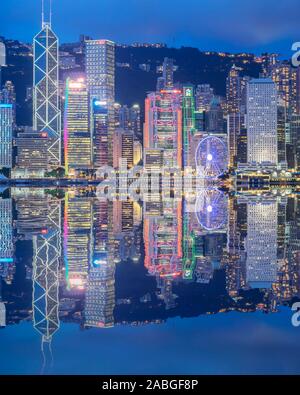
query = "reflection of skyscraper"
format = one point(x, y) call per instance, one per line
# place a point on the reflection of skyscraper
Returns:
point(46, 283)
point(100, 291)
point(163, 240)
point(235, 262)
point(33, 212)
point(77, 240)
point(261, 244)
point(6, 232)
point(163, 234)
point(2, 314)
point(46, 261)
point(46, 112)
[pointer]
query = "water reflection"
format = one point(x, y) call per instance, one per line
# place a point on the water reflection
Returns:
point(66, 256)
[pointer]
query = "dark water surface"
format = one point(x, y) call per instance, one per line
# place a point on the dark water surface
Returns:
point(97, 287)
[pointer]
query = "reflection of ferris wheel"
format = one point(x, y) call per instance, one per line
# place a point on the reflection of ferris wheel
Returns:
point(211, 209)
point(211, 157)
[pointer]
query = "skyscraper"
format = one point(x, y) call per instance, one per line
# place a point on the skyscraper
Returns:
point(294, 143)
point(214, 118)
point(285, 78)
point(46, 261)
point(168, 73)
point(204, 96)
point(77, 136)
point(8, 96)
point(77, 240)
point(233, 90)
point(2, 60)
point(297, 90)
point(262, 122)
point(100, 73)
point(32, 154)
point(6, 121)
point(123, 147)
point(46, 111)
point(6, 231)
point(281, 134)
point(235, 128)
point(128, 118)
point(261, 243)
point(189, 124)
point(163, 126)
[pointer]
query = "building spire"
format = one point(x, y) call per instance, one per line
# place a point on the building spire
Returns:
point(50, 17)
point(43, 14)
point(49, 22)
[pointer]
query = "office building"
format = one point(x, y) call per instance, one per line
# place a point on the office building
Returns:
point(262, 122)
point(163, 126)
point(6, 231)
point(6, 130)
point(233, 90)
point(46, 106)
point(204, 96)
point(2, 60)
point(8, 96)
point(78, 226)
point(32, 154)
point(214, 117)
point(100, 74)
point(128, 118)
point(168, 73)
point(285, 78)
point(77, 135)
point(236, 130)
point(123, 147)
point(189, 124)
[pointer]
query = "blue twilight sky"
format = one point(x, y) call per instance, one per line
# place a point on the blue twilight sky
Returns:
point(227, 25)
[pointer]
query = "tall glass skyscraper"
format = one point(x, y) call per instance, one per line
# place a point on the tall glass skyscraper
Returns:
point(77, 136)
point(46, 111)
point(100, 73)
point(262, 121)
point(6, 121)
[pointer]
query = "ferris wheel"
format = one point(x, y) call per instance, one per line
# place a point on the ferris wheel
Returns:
point(211, 209)
point(211, 157)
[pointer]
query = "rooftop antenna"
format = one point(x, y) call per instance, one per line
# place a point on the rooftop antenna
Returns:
point(43, 13)
point(50, 18)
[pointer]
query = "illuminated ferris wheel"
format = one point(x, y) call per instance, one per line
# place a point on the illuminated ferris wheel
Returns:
point(211, 157)
point(211, 209)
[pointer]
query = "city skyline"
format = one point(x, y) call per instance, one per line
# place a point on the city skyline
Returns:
point(140, 184)
point(269, 27)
